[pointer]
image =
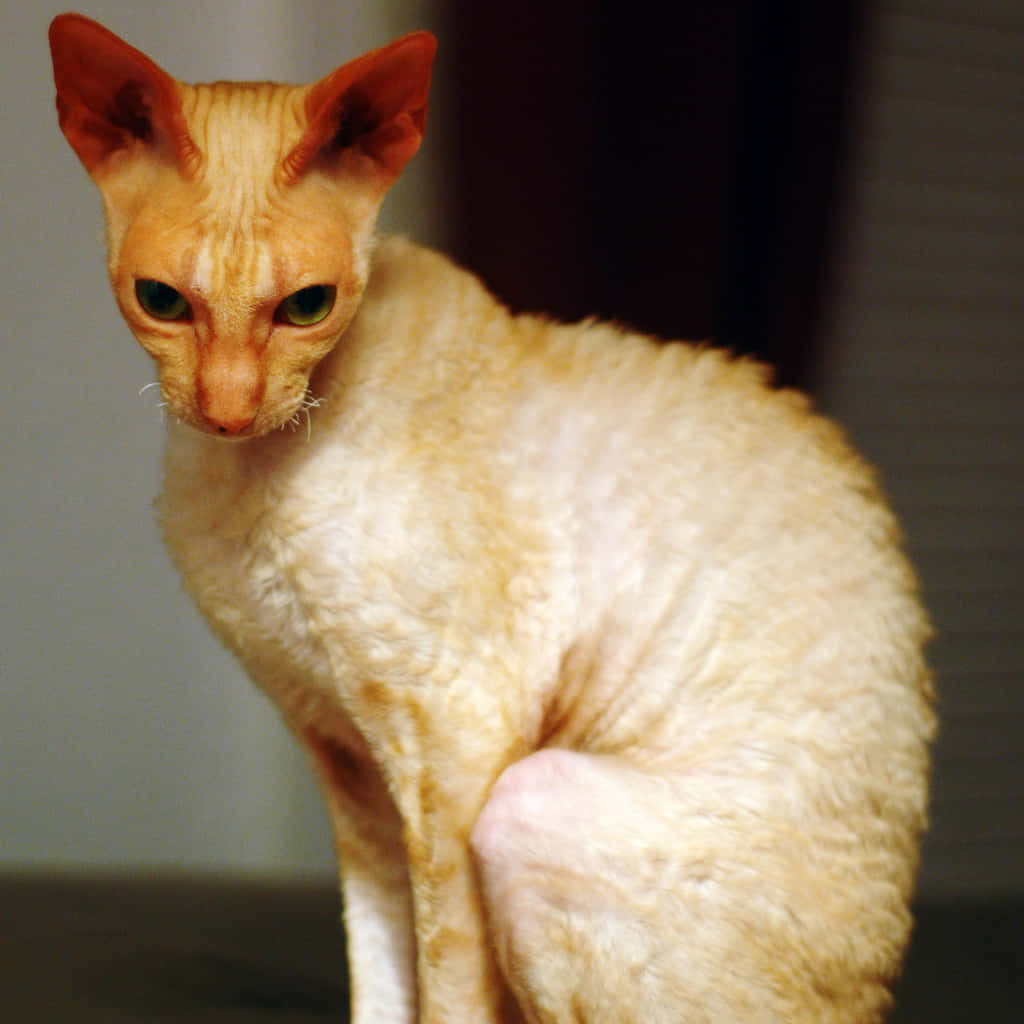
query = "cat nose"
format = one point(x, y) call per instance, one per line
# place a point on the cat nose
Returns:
point(229, 388)
point(228, 425)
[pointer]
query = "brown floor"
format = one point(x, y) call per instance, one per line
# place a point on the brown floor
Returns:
point(966, 964)
point(141, 950)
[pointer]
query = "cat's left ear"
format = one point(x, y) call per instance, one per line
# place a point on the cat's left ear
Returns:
point(376, 104)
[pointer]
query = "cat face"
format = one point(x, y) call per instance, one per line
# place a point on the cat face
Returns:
point(236, 283)
point(239, 216)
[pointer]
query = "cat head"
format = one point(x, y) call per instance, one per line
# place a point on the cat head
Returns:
point(240, 216)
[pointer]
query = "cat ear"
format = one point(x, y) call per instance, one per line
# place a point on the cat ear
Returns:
point(111, 97)
point(376, 104)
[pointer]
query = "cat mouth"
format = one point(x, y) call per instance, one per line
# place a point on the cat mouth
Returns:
point(237, 438)
point(237, 428)
point(296, 417)
point(300, 421)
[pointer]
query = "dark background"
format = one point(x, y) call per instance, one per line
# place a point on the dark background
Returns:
point(675, 167)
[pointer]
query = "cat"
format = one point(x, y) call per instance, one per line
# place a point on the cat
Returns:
point(605, 651)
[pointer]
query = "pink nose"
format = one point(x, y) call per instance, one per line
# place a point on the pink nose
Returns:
point(228, 425)
point(229, 387)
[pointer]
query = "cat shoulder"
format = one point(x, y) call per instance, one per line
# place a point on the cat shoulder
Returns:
point(402, 266)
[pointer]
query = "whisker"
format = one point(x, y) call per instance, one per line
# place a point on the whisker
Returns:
point(162, 405)
point(307, 404)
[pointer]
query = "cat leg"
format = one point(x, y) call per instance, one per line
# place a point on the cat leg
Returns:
point(440, 777)
point(621, 894)
point(374, 881)
point(459, 979)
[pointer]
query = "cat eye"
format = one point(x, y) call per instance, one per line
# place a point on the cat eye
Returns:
point(161, 300)
point(307, 306)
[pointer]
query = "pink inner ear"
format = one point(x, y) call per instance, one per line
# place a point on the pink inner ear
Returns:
point(376, 103)
point(110, 95)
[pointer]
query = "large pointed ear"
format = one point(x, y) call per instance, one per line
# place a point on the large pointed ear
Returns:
point(376, 104)
point(111, 97)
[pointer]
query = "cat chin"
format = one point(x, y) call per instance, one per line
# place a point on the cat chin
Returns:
point(231, 438)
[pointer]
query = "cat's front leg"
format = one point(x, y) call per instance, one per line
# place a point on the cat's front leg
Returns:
point(374, 880)
point(439, 772)
point(458, 977)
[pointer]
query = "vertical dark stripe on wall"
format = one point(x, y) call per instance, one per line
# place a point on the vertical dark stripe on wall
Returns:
point(672, 167)
point(801, 67)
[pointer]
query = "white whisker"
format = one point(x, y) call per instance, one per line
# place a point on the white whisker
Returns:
point(162, 405)
point(307, 404)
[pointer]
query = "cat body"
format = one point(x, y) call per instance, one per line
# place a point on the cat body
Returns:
point(604, 652)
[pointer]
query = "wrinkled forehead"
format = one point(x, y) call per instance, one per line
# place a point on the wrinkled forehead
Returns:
point(236, 235)
point(243, 131)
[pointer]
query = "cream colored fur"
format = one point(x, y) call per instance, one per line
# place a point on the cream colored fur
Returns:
point(605, 652)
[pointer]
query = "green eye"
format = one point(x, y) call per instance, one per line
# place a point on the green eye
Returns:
point(307, 306)
point(161, 300)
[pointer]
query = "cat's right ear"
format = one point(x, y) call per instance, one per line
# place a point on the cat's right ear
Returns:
point(112, 98)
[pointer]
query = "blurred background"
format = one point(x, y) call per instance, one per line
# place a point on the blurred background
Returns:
point(837, 188)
